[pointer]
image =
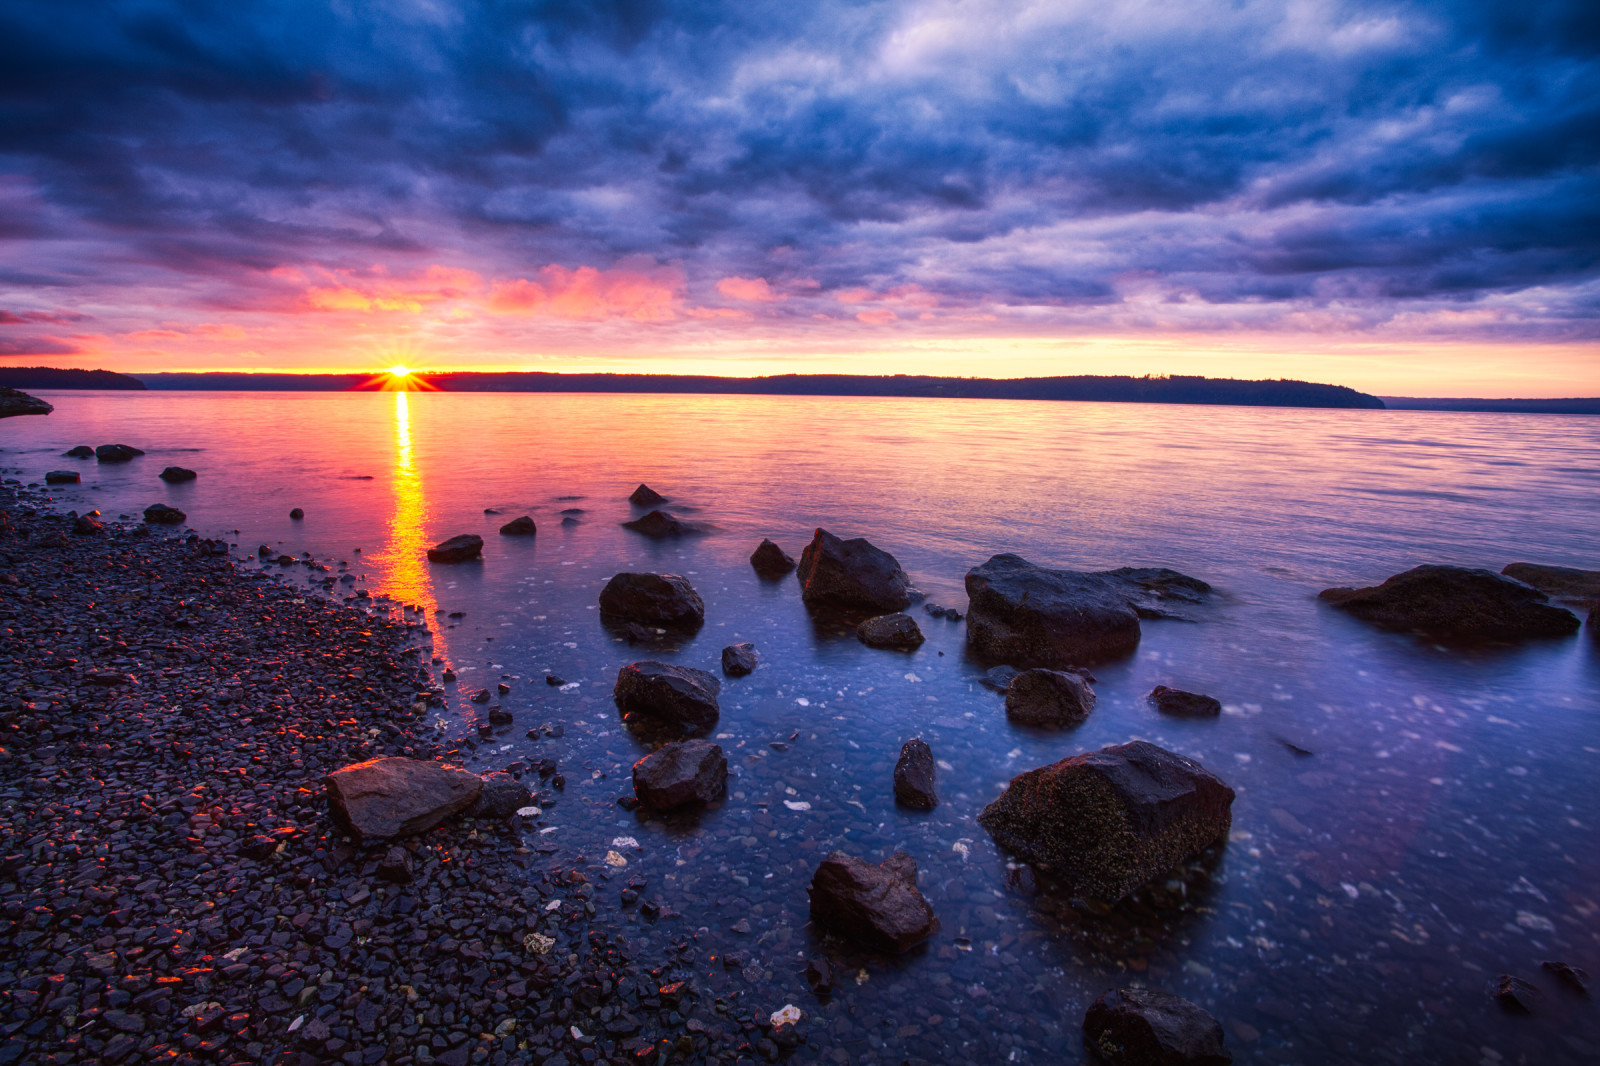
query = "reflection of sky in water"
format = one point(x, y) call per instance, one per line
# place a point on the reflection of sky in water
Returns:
point(1442, 831)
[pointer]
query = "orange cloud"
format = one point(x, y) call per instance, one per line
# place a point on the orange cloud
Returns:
point(154, 335)
point(349, 292)
point(223, 330)
point(755, 290)
point(641, 293)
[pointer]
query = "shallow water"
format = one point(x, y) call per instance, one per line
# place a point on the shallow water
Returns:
point(1442, 830)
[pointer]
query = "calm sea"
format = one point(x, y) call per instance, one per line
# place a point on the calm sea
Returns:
point(1442, 831)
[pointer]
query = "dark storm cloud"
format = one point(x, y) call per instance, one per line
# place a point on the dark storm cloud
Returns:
point(1304, 153)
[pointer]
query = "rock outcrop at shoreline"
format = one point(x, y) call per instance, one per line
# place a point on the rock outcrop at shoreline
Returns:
point(15, 402)
point(851, 575)
point(1456, 603)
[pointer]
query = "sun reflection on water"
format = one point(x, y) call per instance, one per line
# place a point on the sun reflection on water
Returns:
point(404, 555)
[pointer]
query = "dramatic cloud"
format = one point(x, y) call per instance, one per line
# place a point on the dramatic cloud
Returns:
point(505, 179)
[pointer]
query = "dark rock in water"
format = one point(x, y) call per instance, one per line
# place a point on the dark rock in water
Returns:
point(162, 515)
point(1181, 704)
point(396, 797)
point(458, 549)
point(1456, 602)
point(1108, 821)
point(296, 514)
point(1049, 698)
point(501, 797)
point(570, 521)
point(520, 527)
point(739, 659)
point(482, 696)
point(678, 697)
point(173, 475)
point(554, 680)
point(890, 631)
point(82, 451)
point(448, 676)
point(770, 560)
point(264, 552)
point(1566, 583)
point(999, 677)
point(86, 524)
point(878, 906)
point(663, 525)
point(683, 774)
point(500, 716)
point(819, 975)
point(914, 776)
point(62, 477)
point(851, 575)
point(1572, 976)
point(573, 510)
point(1153, 590)
point(116, 453)
point(1515, 995)
point(943, 612)
point(1027, 615)
point(396, 867)
point(645, 496)
point(666, 600)
point(16, 402)
point(1139, 1027)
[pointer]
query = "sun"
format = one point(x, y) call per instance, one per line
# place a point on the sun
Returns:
point(398, 371)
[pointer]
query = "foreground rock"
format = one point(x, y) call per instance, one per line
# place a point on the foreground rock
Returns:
point(458, 549)
point(739, 660)
point(645, 496)
point(1139, 1027)
point(1106, 822)
point(663, 525)
point(395, 796)
point(771, 561)
point(878, 906)
point(174, 475)
point(898, 631)
point(679, 699)
point(1181, 704)
point(116, 453)
point(1052, 698)
point(1565, 583)
point(1456, 602)
point(62, 477)
point(520, 527)
point(914, 776)
point(687, 773)
point(665, 600)
point(851, 575)
point(162, 515)
point(16, 402)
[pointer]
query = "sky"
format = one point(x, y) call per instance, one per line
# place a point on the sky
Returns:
point(1400, 197)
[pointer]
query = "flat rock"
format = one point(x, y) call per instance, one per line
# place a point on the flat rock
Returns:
point(739, 659)
point(520, 527)
point(1106, 822)
point(394, 796)
point(1456, 602)
point(665, 600)
point(162, 515)
point(1181, 704)
point(1055, 698)
point(174, 475)
point(458, 549)
point(663, 525)
point(116, 453)
point(877, 906)
point(501, 796)
point(771, 561)
point(915, 776)
point(851, 575)
point(645, 496)
point(1565, 583)
point(1140, 1027)
point(1027, 615)
point(898, 631)
point(62, 477)
point(682, 774)
point(16, 402)
point(679, 698)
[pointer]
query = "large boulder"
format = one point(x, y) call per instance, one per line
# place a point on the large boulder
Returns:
point(915, 776)
point(1565, 583)
point(162, 515)
point(1106, 822)
point(458, 549)
point(645, 496)
point(663, 525)
point(520, 527)
point(771, 561)
point(683, 774)
point(851, 575)
point(898, 631)
point(1456, 602)
point(174, 475)
point(16, 402)
point(116, 453)
point(878, 906)
point(665, 600)
point(394, 797)
point(1138, 1027)
point(680, 699)
point(1028, 615)
point(1053, 698)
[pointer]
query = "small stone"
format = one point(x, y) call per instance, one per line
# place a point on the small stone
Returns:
point(396, 867)
point(1515, 995)
point(739, 659)
point(898, 631)
point(174, 475)
point(771, 561)
point(520, 527)
point(819, 975)
point(1181, 704)
point(914, 776)
point(1573, 977)
point(297, 514)
point(645, 496)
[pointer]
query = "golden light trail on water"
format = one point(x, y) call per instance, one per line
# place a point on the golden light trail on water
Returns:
point(404, 557)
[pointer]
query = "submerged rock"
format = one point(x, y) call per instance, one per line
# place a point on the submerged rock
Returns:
point(1181, 704)
point(1043, 697)
point(914, 776)
point(174, 475)
point(677, 697)
point(1108, 821)
point(851, 575)
point(1028, 615)
point(395, 796)
point(998, 677)
point(898, 631)
point(666, 600)
point(739, 659)
point(16, 402)
point(116, 453)
point(1515, 995)
point(645, 496)
point(1575, 978)
point(771, 561)
point(1566, 583)
point(682, 774)
point(458, 549)
point(501, 797)
point(663, 525)
point(878, 906)
point(162, 515)
point(62, 477)
point(1456, 602)
point(82, 451)
point(1139, 1027)
point(520, 527)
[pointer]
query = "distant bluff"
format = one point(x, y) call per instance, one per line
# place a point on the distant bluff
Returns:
point(49, 377)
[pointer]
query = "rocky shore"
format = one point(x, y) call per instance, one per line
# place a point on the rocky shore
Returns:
point(172, 885)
